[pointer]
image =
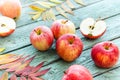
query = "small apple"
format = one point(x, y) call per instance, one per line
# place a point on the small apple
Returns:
point(77, 72)
point(7, 26)
point(105, 54)
point(92, 29)
point(62, 26)
point(69, 47)
point(41, 38)
point(10, 8)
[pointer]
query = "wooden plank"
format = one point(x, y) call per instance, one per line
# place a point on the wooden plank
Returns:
point(58, 68)
point(111, 75)
point(20, 38)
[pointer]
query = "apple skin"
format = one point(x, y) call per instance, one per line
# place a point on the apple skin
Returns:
point(62, 26)
point(69, 47)
point(7, 26)
point(105, 54)
point(77, 72)
point(41, 38)
point(11, 8)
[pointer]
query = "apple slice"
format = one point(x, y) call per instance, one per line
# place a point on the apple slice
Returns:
point(92, 29)
point(7, 26)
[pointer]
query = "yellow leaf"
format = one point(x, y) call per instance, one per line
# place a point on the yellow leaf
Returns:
point(4, 76)
point(56, 1)
point(2, 49)
point(36, 8)
point(61, 11)
point(80, 2)
point(7, 58)
point(69, 3)
point(68, 10)
point(45, 4)
point(36, 16)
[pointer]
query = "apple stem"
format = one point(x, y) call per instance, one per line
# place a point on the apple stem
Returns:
point(107, 46)
point(38, 31)
point(71, 40)
point(65, 21)
point(3, 25)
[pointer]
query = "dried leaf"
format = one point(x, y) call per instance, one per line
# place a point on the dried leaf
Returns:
point(45, 4)
point(80, 2)
point(7, 58)
point(62, 12)
point(52, 15)
point(37, 67)
point(39, 73)
point(36, 8)
point(36, 16)
point(69, 3)
point(13, 77)
point(68, 10)
point(2, 49)
point(56, 1)
point(25, 64)
point(23, 78)
point(4, 76)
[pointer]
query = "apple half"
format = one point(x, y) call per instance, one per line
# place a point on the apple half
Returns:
point(7, 26)
point(92, 29)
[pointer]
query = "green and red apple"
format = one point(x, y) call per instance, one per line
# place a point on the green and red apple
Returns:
point(69, 47)
point(7, 26)
point(77, 72)
point(105, 54)
point(41, 38)
point(62, 26)
point(92, 29)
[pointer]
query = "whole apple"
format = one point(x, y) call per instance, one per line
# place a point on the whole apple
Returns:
point(105, 54)
point(62, 26)
point(69, 47)
point(92, 29)
point(7, 26)
point(41, 38)
point(10, 8)
point(77, 72)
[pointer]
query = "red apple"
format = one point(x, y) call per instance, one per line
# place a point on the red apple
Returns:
point(10, 8)
point(41, 38)
point(69, 47)
point(92, 29)
point(62, 26)
point(105, 54)
point(77, 72)
point(7, 26)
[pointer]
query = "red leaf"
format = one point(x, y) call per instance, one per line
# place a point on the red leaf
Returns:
point(13, 77)
point(37, 67)
point(25, 64)
point(25, 71)
point(40, 73)
point(23, 78)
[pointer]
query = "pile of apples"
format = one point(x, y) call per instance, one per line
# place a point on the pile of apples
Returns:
point(9, 11)
point(69, 46)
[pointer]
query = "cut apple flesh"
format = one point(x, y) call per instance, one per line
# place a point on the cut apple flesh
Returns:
point(92, 28)
point(6, 24)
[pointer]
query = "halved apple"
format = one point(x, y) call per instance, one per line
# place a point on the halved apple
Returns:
point(7, 26)
point(92, 29)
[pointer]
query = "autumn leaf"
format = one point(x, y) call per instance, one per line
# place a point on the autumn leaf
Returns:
point(13, 77)
point(22, 78)
point(2, 49)
point(4, 76)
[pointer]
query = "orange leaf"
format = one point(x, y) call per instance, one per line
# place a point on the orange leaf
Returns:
point(7, 58)
point(25, 64)
point(13, 77)
point(4, 76)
